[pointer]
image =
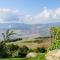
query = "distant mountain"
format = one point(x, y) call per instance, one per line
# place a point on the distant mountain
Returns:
point(29, 30)
point(26, 26)
point(14, 26)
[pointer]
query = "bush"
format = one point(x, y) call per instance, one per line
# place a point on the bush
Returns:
point(23, 51)
point(14, 40)
point(41, 50)
point(13, 49)
point(2, 46)
point(31, 50)
point(55, 32)
point(4, 50)
point(4, 55)
point(55, 45)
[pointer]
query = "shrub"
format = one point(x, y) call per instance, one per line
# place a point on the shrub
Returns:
point(55, 32)
point(13, 49)
point(14, 40)
point(4, 50)
point(55, 45)
point(31, 50)
point(2, 46)
point(23, 51)
point(41, 50)
point(5, 55)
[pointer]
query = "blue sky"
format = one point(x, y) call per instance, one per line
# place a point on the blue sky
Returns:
point(29, 11)
point(29, 6)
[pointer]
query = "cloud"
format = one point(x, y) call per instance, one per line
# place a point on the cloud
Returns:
point(8, 15)
point(45, 16)
point(8, 10)
point(14, 16)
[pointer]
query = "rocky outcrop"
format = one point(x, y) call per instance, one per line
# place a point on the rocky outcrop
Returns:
point(53, 55)
point(31, 54)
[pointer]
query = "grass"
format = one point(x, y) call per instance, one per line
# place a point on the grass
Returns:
point(41, 56)
point(33, 43)
point(13, 59)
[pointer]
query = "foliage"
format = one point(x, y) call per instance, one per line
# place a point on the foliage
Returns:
point(13, 47)
point(7, 35)
point(41, 50)
point(55, 32)
point(56, 38)
point(32, 50)
point(4, 55)
point(41, 56)
point(16, 39)
point(23, 51)
point(7, 50)
point(3, 50)
point(2, 46)
point(55, 45)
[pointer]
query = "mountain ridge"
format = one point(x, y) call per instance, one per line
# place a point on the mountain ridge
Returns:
point(29, 30)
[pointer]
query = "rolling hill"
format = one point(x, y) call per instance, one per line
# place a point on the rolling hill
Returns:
point(28, 30)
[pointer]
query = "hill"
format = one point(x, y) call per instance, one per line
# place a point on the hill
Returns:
point(28, 30)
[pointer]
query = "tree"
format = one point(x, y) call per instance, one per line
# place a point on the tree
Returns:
point(7, 35)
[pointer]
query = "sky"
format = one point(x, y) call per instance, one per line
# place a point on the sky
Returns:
point(29, 11)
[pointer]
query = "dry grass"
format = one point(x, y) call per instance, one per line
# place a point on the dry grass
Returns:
point(46, 43)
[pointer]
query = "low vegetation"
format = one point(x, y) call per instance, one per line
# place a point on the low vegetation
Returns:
point(56, 38)
point(54, 49)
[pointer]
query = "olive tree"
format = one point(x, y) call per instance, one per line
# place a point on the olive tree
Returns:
point(7, 34)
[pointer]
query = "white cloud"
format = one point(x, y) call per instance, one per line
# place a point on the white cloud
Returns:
point(46, 16)
point(14, 16)
point(8, 10)
point(8, 15)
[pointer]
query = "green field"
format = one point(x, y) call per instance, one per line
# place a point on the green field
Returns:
point(13, 59)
